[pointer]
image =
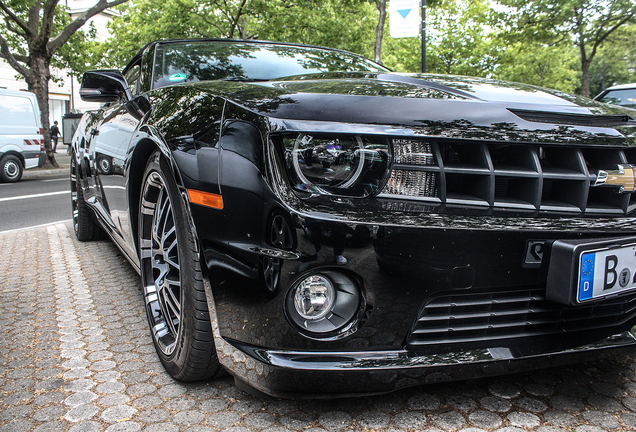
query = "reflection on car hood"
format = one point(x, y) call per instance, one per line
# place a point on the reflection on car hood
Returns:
point(438, 105)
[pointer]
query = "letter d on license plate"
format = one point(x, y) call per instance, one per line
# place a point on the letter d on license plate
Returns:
point(606, 271)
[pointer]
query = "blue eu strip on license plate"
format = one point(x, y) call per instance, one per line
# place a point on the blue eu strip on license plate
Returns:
point(607, 271)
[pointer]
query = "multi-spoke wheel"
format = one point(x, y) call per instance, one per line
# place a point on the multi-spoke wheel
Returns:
point(84, 225)
point(172, 281)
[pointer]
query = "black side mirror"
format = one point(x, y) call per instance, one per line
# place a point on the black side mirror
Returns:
point(104, 86)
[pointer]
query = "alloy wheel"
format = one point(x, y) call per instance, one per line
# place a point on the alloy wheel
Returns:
point(161, 269)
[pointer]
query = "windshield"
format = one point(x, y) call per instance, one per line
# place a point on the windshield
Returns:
point(192, 61)
point(626, 98)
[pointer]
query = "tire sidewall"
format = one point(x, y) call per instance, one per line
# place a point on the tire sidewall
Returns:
point(105, 165)
point(10, 159)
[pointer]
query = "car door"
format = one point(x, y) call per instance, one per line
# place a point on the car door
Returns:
point(101, 148)
point(110, 154)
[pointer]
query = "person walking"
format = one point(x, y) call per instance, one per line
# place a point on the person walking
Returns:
point(55, 132)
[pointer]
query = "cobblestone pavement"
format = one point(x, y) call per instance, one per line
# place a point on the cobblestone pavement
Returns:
point(76, 355)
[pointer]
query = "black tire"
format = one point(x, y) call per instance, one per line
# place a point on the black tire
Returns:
point(84, 224)
point(176, 304)
point(104, 164)
point(10, 169)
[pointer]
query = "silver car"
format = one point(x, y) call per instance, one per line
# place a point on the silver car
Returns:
point(622, 94)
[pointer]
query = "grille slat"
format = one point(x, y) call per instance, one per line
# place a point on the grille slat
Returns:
point(490, 316)
point(470, 302)
point(508, 177)
point(432, 318)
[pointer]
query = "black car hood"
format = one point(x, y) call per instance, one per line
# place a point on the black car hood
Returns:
point(435, 105)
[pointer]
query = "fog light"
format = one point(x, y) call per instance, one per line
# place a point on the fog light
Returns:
point(326, 304)
point(314, 297)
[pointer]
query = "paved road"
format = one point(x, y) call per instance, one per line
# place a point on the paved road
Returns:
point(41, 197)
point(35, 201)
point(76, 355)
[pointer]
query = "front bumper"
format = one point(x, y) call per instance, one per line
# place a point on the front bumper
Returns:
point(325, 374)
point(258, 345)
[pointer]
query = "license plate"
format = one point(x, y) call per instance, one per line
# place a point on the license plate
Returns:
point(606, 271)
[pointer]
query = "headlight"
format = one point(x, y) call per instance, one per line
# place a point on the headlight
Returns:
point(345, 165)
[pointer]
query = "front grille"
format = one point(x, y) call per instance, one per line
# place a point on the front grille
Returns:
point(539, 179)
point(495, 318)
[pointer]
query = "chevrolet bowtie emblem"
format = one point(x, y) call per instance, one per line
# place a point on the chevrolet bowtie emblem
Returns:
point(624, 177)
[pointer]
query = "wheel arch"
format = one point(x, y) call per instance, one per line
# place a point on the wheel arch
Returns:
point(143, 151)
point(14, 153)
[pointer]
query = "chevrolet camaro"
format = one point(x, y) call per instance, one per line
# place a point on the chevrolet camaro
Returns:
point(316, 224)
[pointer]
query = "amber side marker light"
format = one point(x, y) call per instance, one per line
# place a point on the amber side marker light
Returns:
point(206, 199)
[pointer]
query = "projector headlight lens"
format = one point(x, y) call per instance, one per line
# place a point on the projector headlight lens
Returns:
point(349, 165)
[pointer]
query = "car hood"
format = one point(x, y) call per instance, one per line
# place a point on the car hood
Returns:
point(435, 105)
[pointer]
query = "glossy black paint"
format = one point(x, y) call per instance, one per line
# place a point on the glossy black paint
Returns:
point(223, 137)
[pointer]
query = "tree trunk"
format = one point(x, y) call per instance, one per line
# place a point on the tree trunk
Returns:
point(585, 77)
point(379, 30)
point(39, 85)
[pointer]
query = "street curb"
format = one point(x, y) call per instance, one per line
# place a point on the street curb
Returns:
point(64, 161)
point(40, 172)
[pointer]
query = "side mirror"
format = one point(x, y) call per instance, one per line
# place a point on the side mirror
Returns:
point(104, 86)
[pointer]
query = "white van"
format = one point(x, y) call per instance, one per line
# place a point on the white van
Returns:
point(21, 140)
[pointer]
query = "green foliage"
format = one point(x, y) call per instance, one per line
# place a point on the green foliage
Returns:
point(403, 54)
point(615, 62)
point(68, 56)
point(144, 21)
point(585, 24)
point(542, 65)
point(531, 41)
point(459, 41)
point(341, 24)
point(73, 56)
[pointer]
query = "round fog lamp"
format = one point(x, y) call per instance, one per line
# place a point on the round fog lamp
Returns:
point(314, 297)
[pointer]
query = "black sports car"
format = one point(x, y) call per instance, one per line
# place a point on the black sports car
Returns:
point(316, 224)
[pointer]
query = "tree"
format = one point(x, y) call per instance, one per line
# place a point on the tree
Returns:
point(460, 41)
point(585, 24)
point(615, 61)
point(345, 24)
point(33, 34)
point(146, 20)
point(541, 65)
point(379, 30)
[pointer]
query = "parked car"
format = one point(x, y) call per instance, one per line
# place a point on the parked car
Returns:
point(314, 223)
point(622, 94)
point(21, 140)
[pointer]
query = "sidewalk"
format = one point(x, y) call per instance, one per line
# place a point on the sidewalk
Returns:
point(62, 158)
